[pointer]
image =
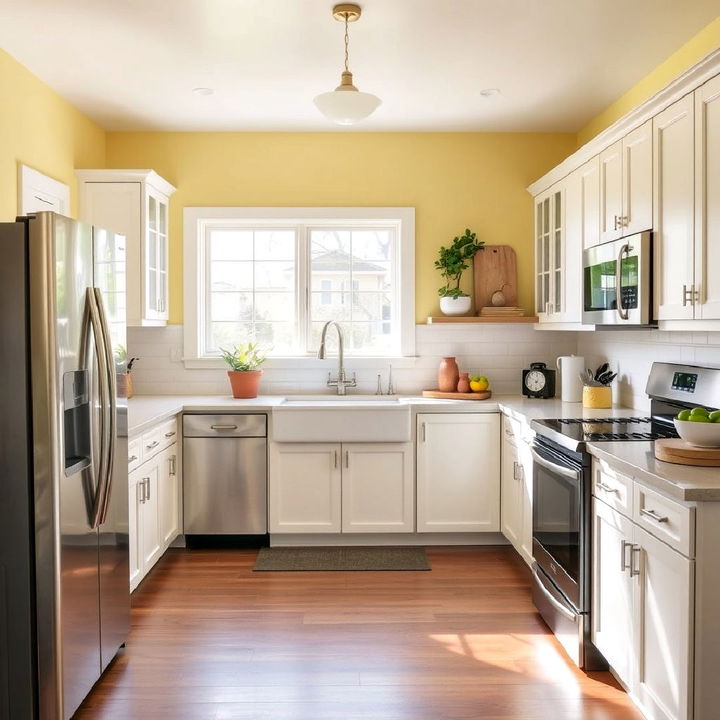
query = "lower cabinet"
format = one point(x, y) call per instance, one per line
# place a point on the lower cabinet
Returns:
point(458, 472)
point(154, 509)
point(516, 491)
point(642, 613)
point(341, 487)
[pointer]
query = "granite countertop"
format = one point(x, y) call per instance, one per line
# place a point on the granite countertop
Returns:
point(681, 482)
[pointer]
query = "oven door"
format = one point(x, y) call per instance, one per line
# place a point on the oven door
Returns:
point(616, 282)
point(558, 498)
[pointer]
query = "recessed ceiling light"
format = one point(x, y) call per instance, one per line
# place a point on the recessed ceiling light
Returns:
point(489, 92)
point(203, 91)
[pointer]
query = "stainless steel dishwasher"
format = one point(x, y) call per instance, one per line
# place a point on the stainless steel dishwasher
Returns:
point(225, 474)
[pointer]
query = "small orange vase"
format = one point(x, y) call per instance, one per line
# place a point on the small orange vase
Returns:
point(245, 384)
point(463, 385)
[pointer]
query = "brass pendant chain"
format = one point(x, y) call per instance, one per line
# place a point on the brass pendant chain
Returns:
point(347, 40)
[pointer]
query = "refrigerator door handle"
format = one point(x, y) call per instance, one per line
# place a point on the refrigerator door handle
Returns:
point(112, 403)
point(101, 361)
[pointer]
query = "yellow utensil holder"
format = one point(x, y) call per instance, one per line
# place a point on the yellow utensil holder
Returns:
point(597, 397)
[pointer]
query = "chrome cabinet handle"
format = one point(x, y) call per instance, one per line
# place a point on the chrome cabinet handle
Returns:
point(336, 458)
point(132, 458)
point(634, 549)
point(152, 445)
point(223, 427)
point(615, 227)
point(624, 545)
point(347, 458)
point(600, 484)
point(654, 515)
point(689, 295)
point(138, 495)
point(424, 432)
point(173, 465)
point(147, 480)
point(169, 434)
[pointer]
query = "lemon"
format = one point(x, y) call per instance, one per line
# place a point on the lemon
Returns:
point(479, 384)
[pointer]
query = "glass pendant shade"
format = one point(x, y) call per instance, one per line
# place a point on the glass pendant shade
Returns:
point(346, 107)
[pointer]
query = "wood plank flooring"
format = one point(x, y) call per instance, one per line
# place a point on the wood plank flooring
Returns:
point(211, 640)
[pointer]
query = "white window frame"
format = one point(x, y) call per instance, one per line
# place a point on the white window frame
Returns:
point(196, 221)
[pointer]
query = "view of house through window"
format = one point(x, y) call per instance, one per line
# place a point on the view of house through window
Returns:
point(280, 285)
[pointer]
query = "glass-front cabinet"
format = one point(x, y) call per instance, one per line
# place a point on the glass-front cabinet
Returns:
point(134, 203)
point(549, 247)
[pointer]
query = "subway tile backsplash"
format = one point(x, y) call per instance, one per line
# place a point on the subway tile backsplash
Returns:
point(498, 351)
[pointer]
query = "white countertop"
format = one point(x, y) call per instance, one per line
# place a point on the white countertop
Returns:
point(634, 458)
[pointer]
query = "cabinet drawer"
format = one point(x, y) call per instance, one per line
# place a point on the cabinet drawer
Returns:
point(134, 454)
point(612, 487)
point(515, 431)
point(666, 519)
point(157, 439)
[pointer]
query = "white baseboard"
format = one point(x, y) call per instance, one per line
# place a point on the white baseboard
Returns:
point(393, 539)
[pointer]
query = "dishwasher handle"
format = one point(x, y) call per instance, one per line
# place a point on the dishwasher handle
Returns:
point(223, 427)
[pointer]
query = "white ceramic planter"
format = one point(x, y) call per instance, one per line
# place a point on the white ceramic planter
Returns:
point(455, 306)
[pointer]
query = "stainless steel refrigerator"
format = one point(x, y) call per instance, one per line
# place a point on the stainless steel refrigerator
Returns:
point(64, 589)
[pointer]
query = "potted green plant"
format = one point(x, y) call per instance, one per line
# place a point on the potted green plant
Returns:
point(452, 262)
point(244, 360)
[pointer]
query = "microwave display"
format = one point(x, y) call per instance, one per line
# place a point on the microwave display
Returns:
point(599, 286)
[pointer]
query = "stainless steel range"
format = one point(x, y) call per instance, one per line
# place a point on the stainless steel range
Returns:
point(562, 496)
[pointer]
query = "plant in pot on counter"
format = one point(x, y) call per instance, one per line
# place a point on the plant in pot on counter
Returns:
point(244, 361)
point(453, 261)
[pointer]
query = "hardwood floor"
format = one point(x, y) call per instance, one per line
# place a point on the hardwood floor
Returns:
point(211, 639)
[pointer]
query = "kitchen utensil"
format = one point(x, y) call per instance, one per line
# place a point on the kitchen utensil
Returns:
point(681, 453)
point(495, 270)
point(570, 367)
point(437, 394)
point(601, 371)
point(699, 434)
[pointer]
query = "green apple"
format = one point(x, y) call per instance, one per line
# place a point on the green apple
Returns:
point(698, 411)
point(683, 415)
point(475, 378)
point(699, 418)
point(715, 416)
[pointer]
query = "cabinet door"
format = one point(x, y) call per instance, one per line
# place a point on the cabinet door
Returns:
point(510, 495)
point(151, 543)
point(612, 597)
point(673, 189)
point(557, 253)
point(570, 280)
point(589, 175)
point(637, 178)
point(611, 192)
point(707, 200)
point(168, 495)
point(458, 472)
point(525, 469)
point(305, 488)
point(135, 528)
point(156, 256)
point(543, 239)
point(377, 488)
point(664, 602)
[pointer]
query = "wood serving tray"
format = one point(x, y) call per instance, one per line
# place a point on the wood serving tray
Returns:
point(682, 453)
point(484, 395)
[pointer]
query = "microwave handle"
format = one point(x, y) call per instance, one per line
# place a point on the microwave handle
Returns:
point(622, 311)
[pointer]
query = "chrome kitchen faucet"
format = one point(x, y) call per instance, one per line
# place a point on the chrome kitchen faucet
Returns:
point(340, 383)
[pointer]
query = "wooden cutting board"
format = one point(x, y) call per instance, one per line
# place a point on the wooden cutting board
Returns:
point(682, 453)
point(495, 268)
point(457, 395)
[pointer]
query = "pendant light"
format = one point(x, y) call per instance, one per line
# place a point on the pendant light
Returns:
point(346, 105)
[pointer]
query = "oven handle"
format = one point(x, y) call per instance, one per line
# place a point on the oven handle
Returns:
point(621, 311)
point(559, 469)
point(551, 598)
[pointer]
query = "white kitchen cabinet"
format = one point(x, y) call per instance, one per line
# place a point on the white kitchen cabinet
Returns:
point(134, 512)
point(516, 491)
point(305, 488)
point(149, 516)
point(458, 472)
point(707, 201)
point(377, 488)
point(135, 204)
point(673, 142)
point(612, 600)
point(168, 495)
point(643, 607)
point(589, 202)
point(549, 254)
point(626, 185)
point(341, 487)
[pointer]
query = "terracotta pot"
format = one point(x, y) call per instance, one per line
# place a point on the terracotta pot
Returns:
point(244, 384)
point(448, 375)
point(123, 382)
point(463, 385)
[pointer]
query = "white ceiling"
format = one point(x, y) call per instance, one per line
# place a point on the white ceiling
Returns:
point(132, 64)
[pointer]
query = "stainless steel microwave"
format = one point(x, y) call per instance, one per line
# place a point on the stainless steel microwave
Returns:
point(617, 282)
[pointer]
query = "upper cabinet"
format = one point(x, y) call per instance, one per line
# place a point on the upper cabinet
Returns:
point(626, 185)
point(588, 183)
point(135, 204)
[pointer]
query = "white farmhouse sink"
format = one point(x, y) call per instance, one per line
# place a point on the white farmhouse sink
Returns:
point(336, 418)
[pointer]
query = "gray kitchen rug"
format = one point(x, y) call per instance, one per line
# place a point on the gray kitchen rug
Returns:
point(299, 559)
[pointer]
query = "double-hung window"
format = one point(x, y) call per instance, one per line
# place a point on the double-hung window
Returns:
point(277, 275)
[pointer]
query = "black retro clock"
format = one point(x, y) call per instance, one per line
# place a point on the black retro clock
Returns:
point(538, 381)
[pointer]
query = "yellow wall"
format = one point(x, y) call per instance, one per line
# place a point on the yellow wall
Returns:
point(454, 180)
point(707, 40)
point(40, 129)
